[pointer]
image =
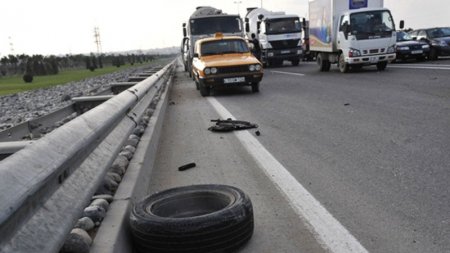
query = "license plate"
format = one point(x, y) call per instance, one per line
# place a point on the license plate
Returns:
point(416, 52)
point(373, 59)
point(234, 80)
point(285, 51)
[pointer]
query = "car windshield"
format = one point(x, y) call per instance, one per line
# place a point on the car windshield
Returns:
point(439, 32)
point(223, 47)
point(402, 36)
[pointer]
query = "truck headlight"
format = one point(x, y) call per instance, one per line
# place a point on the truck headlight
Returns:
point(391, 50)
point(207, 71)
point(251, 68)
point(354, 52)
point(213, 70)
point(258, 67)
point(401, 48)
point(270, 54)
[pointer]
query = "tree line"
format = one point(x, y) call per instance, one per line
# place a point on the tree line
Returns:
point(39, 65)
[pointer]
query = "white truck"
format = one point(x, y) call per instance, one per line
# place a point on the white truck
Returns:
point(351, 33)
point(276, 36)
point(204, 22)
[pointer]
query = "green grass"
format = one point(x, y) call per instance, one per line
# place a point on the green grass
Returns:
point(15, 84)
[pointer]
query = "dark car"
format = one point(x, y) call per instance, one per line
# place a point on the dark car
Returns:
point(407, 48)
point(438, 38)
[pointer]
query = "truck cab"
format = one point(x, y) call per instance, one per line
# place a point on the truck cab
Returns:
point(276, 36)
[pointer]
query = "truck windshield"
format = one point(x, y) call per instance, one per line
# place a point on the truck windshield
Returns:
point(285, 25)
point(373, 24)
point(223, 47)
point(212, 25)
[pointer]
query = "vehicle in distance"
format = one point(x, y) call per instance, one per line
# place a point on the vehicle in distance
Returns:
point(438, 38)
point(224, 61)
point(407, 48)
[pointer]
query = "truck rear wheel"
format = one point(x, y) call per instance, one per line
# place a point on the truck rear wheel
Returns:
point(324, 64)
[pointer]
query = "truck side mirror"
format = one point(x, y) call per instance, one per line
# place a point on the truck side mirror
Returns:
point(304, 23)
point(258, 26)
point(247, 27)
point(402, 24)
point(184, 30)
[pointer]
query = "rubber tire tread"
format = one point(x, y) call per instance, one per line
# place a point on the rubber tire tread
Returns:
point(225, 230)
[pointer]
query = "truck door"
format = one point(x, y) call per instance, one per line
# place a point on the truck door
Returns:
point(343, 34)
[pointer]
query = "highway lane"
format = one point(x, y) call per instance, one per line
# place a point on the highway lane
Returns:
point(372, 147)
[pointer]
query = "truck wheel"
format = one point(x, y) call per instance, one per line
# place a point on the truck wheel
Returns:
point(197, 86)
point(204, 90)
point(381, 65)
point(343, 66)
point(324, 64)
point(255, 87)
point(295, 62)
point(196, 218)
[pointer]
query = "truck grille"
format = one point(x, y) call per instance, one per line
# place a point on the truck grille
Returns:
point(415, 47)
point(282, 44)
point(233, 69)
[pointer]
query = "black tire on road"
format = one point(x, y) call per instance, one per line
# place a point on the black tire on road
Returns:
point(197, 218)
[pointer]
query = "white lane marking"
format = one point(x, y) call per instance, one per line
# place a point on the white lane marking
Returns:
point(327, 230)
point(287, 73)
point(437, 67)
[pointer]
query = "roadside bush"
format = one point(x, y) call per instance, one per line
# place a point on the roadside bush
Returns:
point(28, 78)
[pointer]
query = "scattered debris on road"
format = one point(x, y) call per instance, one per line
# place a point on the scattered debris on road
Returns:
point(258, 133)
point(346, 104)
point(230, 125)
point(187, 166)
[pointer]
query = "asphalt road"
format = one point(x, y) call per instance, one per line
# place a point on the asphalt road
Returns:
point(372, 147)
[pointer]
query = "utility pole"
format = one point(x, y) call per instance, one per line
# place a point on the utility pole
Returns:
point(11, 45)
point(98, 42)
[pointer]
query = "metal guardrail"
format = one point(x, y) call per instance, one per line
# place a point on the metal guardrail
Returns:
point(46, 185)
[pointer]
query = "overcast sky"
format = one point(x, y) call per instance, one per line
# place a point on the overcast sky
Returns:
point(67, 26)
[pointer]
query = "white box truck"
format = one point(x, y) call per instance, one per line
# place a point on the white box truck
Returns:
point(276, 36)
point(351, 33)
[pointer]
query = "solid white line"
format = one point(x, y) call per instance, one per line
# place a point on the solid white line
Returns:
point(332, 235)
point(419, 67)
point(287, 73)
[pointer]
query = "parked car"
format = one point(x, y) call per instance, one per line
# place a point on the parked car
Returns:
point(225, 61)
point(407, 48)
point(438, 38)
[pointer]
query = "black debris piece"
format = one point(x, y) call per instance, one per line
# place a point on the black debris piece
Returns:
point(230, 125)
point(257, 133)
point(346, 104)
point(187, 166)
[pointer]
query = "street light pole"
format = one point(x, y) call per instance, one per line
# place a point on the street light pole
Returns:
point(238, 2)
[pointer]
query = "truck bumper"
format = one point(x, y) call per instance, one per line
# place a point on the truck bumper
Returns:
point(285, 54)
point(370, 59)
